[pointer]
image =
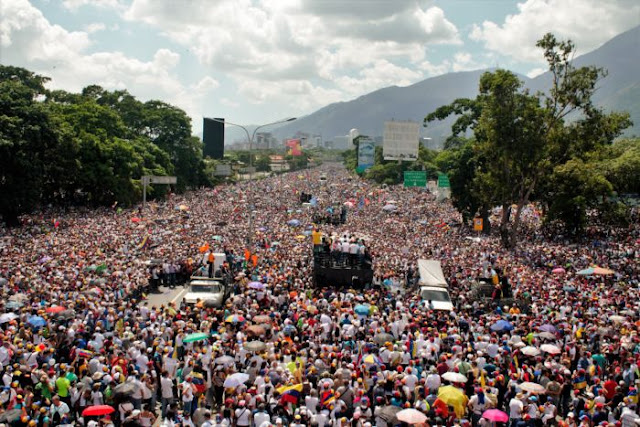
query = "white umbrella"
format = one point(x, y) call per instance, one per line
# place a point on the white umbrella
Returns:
point(530, 351)
point(224, 360)
point(546, 335)
point(550, 348)
point(532, 387)
point(411, 416)
point(617, 319)
point(7, 317)
point(454, 377)
point(235, 380)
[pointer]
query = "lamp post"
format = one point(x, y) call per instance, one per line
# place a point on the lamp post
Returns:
point(250, 138)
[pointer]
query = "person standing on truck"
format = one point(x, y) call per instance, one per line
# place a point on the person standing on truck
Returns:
point(211, 258)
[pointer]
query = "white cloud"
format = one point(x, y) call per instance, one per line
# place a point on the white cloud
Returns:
point(463, 61)
point(536, 72)
point(74, 5)
point(206, 84)
point(26, 34)
point(312, 43)
point(589, 23)
point(30, 40)
point(95, 27)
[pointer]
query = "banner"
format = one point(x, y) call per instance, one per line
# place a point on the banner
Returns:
point(294, 147)
point(366, 154)
point(401, 141)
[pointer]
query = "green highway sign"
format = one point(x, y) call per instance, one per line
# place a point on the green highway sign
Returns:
point(415, 179)
point(443, 181)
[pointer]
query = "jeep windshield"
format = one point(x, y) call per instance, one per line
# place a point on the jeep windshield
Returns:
point(433, 295)
point(211, 289)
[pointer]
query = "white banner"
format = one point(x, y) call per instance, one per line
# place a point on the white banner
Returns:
point(401, 141)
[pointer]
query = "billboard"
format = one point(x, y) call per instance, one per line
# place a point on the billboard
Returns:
point(366, 154)
point(294, 147)
point(401, 140)
point(213, 138)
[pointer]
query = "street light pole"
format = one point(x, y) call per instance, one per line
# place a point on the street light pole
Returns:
point(250, 138)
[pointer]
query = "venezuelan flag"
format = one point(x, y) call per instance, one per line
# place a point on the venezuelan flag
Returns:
point(327, 398)
point(84, 353)
point(144, 242)
point(290, 394)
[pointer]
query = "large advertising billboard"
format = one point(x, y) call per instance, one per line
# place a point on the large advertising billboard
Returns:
point(401, 141)
point(366, 154)
point(213, 138)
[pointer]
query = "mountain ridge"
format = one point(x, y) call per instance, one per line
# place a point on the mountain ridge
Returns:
point(620, 90)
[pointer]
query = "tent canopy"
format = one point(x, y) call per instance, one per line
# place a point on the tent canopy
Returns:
point(431, 273)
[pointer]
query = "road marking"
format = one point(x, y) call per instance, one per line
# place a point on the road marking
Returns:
point(180, 295)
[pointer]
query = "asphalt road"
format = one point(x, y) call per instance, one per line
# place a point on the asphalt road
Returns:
point(166, 295)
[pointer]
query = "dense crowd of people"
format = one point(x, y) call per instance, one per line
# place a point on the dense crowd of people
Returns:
point(81, 345)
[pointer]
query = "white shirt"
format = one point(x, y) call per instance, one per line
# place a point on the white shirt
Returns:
point(515, 408)
point(166, 386)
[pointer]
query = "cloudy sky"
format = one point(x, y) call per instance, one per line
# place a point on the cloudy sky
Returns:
point(256, 61)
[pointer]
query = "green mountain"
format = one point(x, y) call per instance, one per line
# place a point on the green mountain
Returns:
point(620, 90)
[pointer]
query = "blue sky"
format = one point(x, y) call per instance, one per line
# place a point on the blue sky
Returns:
point(256, 61)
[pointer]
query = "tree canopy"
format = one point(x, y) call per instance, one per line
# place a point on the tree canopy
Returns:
point(86, 148)
point(528, 147)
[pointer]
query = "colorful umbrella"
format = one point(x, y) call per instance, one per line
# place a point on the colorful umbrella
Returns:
point(501, 326)
point(596, 270)
point(293, 223)
point(97, 411)
point(198, 336)
point(55, 309)
point(36, 321)
point(234, 318)
point(362, 309)
point(453, 396)
point(495, 415)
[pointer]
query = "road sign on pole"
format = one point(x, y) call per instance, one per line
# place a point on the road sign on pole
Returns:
point(154, 179)
point(443, 181)
point(415, 178)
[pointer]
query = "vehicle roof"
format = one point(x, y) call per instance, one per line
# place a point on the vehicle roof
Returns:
point(431, 273)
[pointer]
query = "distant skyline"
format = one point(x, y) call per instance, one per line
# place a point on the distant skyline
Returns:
point(257, 61)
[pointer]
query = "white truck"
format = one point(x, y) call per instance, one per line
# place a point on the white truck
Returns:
point(211, 292)
point(434, 289)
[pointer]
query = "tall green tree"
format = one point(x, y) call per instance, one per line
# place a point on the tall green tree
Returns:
point(525, 137)
point(28, 141)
